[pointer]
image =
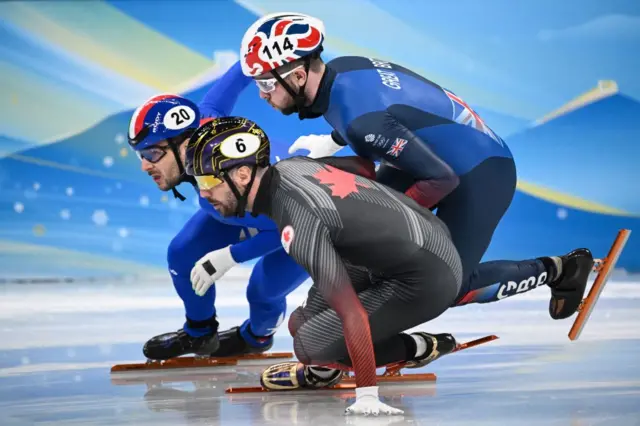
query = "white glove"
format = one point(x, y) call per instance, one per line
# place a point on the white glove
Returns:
point(210, 268)
point(368, 403)
point(317, 145)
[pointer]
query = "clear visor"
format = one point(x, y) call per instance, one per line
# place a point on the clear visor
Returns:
point(268, 85)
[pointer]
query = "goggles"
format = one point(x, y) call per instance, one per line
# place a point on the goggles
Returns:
point(153, 154)
point(268, 85)
point(208, 181)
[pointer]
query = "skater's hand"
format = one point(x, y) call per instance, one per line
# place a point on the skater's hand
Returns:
point(317, 145)
point(368, 403)
point(210, 268)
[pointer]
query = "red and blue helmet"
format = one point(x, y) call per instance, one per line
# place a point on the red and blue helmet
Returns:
point(278, 39)
point(160, 118)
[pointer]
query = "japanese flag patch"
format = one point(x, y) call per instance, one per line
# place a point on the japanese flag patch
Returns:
point(286, 238)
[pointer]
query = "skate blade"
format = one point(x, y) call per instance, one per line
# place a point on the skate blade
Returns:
point(348, 383)
point(603, 267)
point(395, 369)
point(476, 342)
point(392, 375)
point(198, 362)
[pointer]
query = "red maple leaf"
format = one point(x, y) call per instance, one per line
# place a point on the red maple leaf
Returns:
point(286, 236)
point(341, 183)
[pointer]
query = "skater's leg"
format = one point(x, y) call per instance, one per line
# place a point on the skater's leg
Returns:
point(419, 291)
point(412, 294)
point(472, 214)
point(199, 335)
point(199, 236)
point(273, 278)
point(315, 303)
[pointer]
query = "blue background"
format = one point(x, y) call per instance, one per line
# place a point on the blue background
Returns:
point(557, 80)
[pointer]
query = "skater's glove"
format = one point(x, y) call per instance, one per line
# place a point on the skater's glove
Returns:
point(210, 268)
point(368, 404)
point(317, 145)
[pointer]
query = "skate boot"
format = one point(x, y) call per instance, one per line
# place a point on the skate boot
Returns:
point(294, 375)
point(567, 290)
point(234, 343)
point(178, 343)
point(438, 345)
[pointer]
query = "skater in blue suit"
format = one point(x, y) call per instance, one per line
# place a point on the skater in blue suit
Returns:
point(209, 245)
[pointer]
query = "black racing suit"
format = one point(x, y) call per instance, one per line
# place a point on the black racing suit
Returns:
point(380, 263)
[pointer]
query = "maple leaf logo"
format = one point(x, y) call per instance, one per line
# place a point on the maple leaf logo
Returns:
point(341, 183)
point(287, 237)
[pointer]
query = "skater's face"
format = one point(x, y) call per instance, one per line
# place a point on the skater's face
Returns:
point(165, 172)
point(221, 197)
point(276, 95)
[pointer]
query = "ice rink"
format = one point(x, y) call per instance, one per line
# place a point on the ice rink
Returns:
point(58, 342)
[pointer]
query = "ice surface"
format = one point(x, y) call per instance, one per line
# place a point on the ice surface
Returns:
point(58, 342)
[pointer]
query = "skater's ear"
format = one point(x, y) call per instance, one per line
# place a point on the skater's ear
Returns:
point(242, 175)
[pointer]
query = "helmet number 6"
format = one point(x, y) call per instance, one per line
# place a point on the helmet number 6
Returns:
point(240, 146)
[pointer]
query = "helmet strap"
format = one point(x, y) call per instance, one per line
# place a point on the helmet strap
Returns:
point(242, 198)
point(174, 143)
point(299, 97)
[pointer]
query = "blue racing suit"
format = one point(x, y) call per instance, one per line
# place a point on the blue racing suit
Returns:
point(435, 148)
point(274, 276)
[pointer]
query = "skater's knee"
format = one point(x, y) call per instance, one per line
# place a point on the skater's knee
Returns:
point(298, 349)
point(433, 299)
point(177, 249)
point(296, 319)
point(260, 292)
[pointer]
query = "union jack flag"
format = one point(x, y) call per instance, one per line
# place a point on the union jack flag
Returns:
point(397, 147)
point(463, 114)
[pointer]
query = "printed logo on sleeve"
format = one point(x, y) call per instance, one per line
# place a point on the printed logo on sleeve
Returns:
point(286, 237)
point(397, 147)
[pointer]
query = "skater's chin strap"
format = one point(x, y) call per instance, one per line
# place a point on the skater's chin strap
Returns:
point(242, 198)
point(174, 143)
point(299, 98)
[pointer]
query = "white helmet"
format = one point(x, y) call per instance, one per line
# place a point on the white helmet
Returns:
point(277, 39)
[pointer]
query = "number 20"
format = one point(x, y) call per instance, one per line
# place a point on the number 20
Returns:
point(184, 115)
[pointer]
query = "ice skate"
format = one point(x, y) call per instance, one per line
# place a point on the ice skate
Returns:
point(295, 375)
point(178, 343)
point(568, 289)
point(438, 345)
point(233, 344)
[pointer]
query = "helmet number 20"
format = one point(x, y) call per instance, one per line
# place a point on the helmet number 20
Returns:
point(286, 45)
point(179, 117)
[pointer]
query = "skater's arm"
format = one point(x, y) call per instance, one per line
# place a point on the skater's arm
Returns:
point(352, 164)
point(223, 94)
point(400, 147)
point(312, 248)
point(263, 243)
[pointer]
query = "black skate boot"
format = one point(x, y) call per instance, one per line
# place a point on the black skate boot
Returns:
point(232, 343)
point(438, 345)
point(294, 375)
point(567, 290)
point(178, 343)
